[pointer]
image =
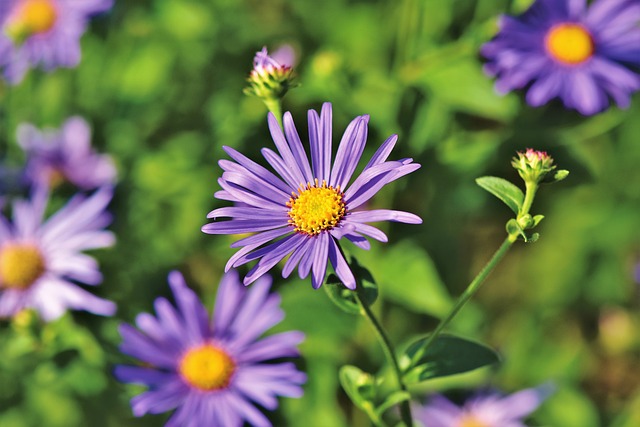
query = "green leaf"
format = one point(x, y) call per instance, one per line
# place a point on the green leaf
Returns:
point(359, 385)
point(447, 355)
point(511, 195)
point(345, 298)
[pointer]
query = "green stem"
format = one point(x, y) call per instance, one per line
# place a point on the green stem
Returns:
point(530, 194)
point(468, 293)
point(274, 105)
point(387, 347)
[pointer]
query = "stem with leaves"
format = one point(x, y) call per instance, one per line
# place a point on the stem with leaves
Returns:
point(387, 347)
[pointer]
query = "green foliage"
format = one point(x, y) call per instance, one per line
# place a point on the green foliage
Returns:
point(447, 355)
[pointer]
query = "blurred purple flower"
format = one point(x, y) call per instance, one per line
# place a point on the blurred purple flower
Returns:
point(483, 409)
point(40, 261)
point(65, 155)
point(306, 210)
point(563, 49)
point(213, 371)
point(43, 32)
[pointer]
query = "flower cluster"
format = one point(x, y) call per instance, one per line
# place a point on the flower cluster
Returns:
point(533, 165)
point(272, 75)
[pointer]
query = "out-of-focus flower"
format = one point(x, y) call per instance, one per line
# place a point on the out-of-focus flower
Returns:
point(306, 210)
point(12, 181)
point(533, 165)
point(562, 49)
point(43, 33)
point(41, 261)
point(213, 372)
point(270, 78)
point(65, 155)
point(482, 410)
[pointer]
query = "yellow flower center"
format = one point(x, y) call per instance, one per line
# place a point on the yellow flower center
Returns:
point(316, 208)
point(570, 44)
point(20, 265)
point(469, 420)
point(206, 368)
point(31, 17)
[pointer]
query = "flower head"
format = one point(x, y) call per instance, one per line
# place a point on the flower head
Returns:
point(270, 78)
point(310, 206)
point(483, 410)
point(562, 49)
point(212, 372)
point(65, 155)
point(43, 32)
point(533, 165)
point(41, 261)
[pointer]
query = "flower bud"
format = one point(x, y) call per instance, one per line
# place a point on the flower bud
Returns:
point(533, 165)
point(269, 78)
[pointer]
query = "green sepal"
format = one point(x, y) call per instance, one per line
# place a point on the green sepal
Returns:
point(537, 219)
point(511, 195)
point(447, 355)
point(514, 229)
point(345, 298)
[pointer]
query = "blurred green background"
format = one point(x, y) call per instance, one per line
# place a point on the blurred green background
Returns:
point(161, 83)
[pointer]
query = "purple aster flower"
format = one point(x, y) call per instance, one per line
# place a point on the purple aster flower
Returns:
point(65, 155)
point(482, 410)
point(212, 372)
point(41, 261)
point(562, 49)
point(43, 32)
point(311, 206)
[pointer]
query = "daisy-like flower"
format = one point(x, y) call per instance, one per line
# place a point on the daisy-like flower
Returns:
point(311, 206)
point(41, 261)
point(482, 410)
point(43, 32)
point(212, 373)
point(65, 155)
point(562, 49)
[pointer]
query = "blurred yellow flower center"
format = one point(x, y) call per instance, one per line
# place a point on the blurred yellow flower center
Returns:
point(206, 368)
point(31, 17)
point(570, 44)
point(468, 420)
point(316, 208)
point(20, 265)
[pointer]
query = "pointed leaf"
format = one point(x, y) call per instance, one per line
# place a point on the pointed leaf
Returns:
point(359, 385)
point(447, 355)
point(511, 195)
point(345, 298)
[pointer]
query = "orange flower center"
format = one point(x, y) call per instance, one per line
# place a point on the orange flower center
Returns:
point(206, 368)
point(31, 17)
point(316, 208)
point(20, 265)
point(469, 420)
point(570, 44)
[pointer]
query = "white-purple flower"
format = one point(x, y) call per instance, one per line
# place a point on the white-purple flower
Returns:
point(42, 261)
point(43, 33)
point(564, 49)
point(482, 410)
point(55, 156)
point(213, 372)
point(310, 206)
